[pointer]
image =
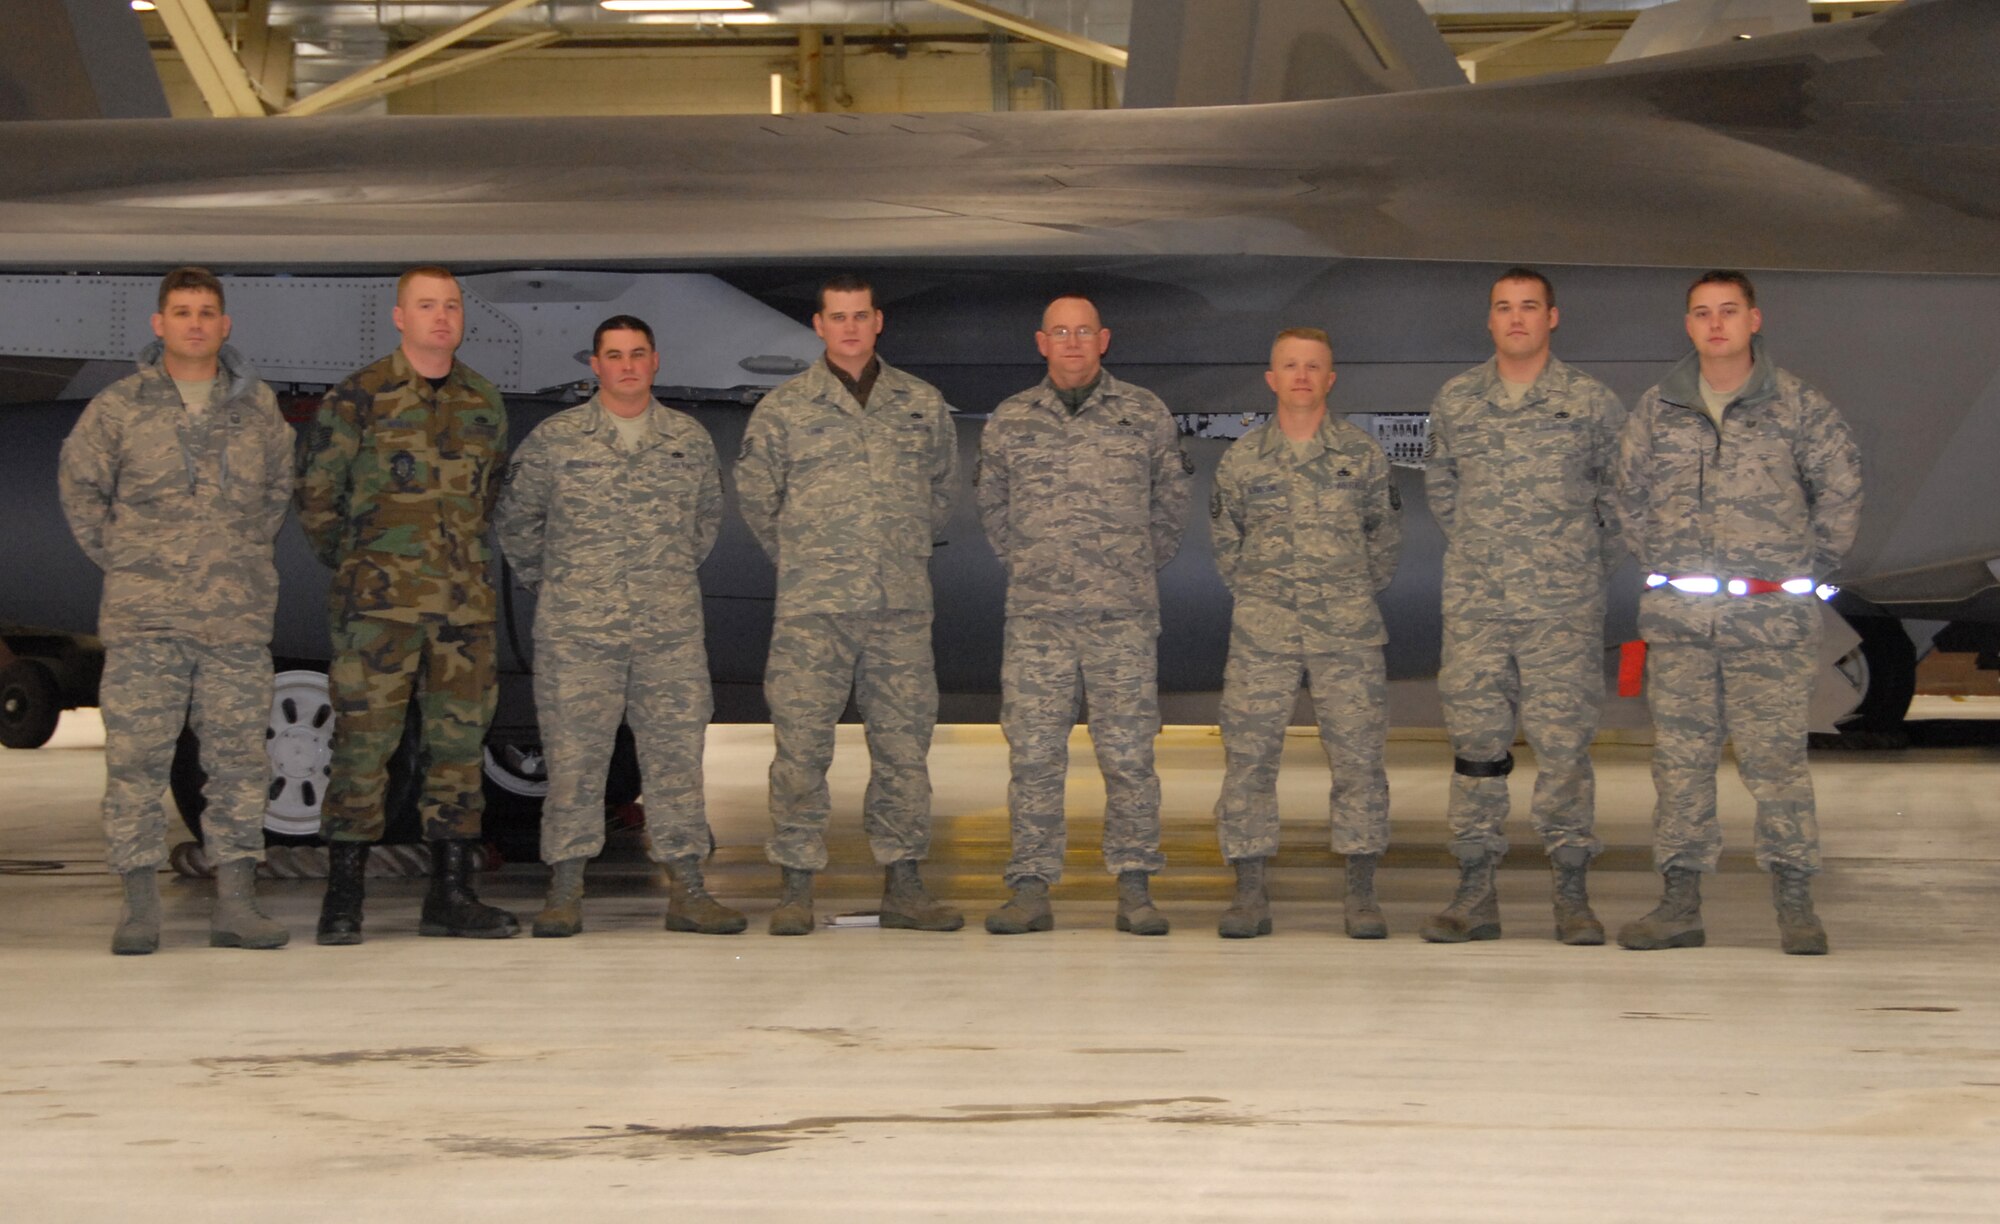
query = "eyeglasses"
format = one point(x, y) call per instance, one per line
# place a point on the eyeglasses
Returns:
point(1060, 334)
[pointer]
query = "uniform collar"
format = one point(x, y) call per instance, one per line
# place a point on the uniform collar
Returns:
point(1493, 388)
point(402, 371)
point(1682, 385)
point(597, 419)
point(1274, 443)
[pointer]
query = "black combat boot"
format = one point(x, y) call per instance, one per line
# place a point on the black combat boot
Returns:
point(1675, 922)
point(1249, 912)
point(1474, 912)
point(1136, 911)
point(690, 908)
point(451, 907)
point(908, 906)
point(794, 915)
point(1576, 925)
point(340, 909)
point(1362, 914)
point(1799, 929)
point(1027, 910)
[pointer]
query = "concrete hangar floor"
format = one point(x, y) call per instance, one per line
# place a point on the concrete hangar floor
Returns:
point(862, 1074)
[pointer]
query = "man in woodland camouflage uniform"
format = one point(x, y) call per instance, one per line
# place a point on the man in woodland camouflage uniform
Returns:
point(1519, 477)
point(846, 479)
point(1307, 526)
point(609, 508)
point(1083, 490)
point(1739, 489)
point(397, 478)
point(175, 482)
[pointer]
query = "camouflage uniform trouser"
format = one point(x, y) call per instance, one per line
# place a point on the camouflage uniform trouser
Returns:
point(1350, 693)
point(1046, 662)
point(1757, 698)
point(377, 665)
point(1547, 675)
point(582, 691)
point(884, 658)
point(151, 686)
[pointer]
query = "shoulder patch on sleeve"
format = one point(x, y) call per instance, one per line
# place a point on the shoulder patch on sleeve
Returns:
point(1215, 504)
point(1395, 498)
point(1187, 461)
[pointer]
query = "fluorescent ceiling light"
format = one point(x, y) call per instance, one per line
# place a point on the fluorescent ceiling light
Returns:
point(672, 6)
point(143, 6)
point(730, 17)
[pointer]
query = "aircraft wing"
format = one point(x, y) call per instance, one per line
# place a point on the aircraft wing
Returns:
point(1867, 145)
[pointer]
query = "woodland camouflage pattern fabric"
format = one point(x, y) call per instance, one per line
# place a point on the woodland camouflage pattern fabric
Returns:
point(610, 540)
point(847, 500)
point(1305, 542)
point(1083, 508)
point(1773, 493)
point(396, 482)
point(180, 510)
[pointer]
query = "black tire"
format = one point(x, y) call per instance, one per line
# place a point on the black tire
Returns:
point(1884, 668)
point(30, 704)
point(514, 816)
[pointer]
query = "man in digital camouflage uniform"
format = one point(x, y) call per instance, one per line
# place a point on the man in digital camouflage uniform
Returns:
point(1083, 490)
point(846, 478)
point(1307, 526)
point(397, 478)
point(1739, 490)
point(609, 508)
point(1518, 476)
point(175, 482)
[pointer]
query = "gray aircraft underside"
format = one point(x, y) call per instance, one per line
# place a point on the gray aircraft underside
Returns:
point(1854, 167)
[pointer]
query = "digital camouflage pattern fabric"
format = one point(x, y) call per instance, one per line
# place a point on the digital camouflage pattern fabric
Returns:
point(1772, 493)
point(396, 483)
point(180, 510)
point(1083, 508)
point(610, 539)
point(151, 686)
point(847, 500)
point(1305, 542)
point(1523, 492)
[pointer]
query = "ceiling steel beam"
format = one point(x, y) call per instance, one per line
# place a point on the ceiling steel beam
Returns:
point(451, 67)
point(351, 88)
point(217, 73)
point(1482, 54)
point(1054, 36)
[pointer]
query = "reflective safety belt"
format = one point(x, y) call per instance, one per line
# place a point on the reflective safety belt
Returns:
point(1708, 584)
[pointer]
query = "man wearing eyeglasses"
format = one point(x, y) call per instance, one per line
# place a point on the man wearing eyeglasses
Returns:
point(1083, 490)
point(1739, 490)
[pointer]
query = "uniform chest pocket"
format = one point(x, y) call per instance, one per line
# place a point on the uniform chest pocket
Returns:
point(816, 444)
point(1125, 479)
point(405, 458)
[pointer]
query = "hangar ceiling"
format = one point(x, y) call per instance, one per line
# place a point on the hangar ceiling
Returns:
point(733, 56)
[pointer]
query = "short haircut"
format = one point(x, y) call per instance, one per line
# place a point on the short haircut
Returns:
point(846, 282)
point(1724, 276)
point(200, 280)
point(621, 323)
point(1529, 274)
point(431, 270)
point(1313, 334)
point(1074, 297)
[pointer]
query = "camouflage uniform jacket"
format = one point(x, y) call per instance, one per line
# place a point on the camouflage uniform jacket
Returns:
point(396, 483)
point(847, 500)
point(180, 510)
point(1523, 492)
point(611, 538)
point(1083, 508)
point(1304, 543)
point(1774, 493)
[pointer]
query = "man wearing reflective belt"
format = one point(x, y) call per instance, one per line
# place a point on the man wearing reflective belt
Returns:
point(1739, 489)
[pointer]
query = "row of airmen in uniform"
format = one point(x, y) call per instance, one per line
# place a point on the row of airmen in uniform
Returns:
point(1737, 487)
